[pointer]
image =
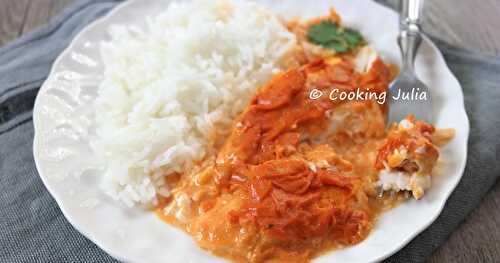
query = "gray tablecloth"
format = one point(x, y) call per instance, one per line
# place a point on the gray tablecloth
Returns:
point(32, 228)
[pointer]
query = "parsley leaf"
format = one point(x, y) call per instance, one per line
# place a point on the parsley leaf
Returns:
point(337, 46)
point(330, 35)
point(353, 37)
point(323, 32)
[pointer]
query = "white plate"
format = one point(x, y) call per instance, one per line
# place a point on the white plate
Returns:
point(61, 148)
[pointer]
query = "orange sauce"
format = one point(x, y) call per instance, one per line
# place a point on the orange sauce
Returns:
point(286, 185)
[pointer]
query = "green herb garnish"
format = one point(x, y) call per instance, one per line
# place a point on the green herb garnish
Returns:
point(332, 36)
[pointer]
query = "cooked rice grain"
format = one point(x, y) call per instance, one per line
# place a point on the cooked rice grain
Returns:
point(170, 91)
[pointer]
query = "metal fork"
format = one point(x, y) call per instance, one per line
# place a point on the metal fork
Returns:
point(409, 41)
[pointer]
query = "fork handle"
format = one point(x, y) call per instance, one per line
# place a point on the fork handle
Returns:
point(410, 38)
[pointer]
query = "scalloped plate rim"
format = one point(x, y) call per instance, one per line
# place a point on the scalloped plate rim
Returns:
point(116, 254)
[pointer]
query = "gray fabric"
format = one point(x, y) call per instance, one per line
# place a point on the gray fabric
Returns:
point(32, 228)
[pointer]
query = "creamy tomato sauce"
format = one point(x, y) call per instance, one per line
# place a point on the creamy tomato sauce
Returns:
point(298, 177)
point(295, 178)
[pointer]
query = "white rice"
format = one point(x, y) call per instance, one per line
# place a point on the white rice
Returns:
point(170, 90)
